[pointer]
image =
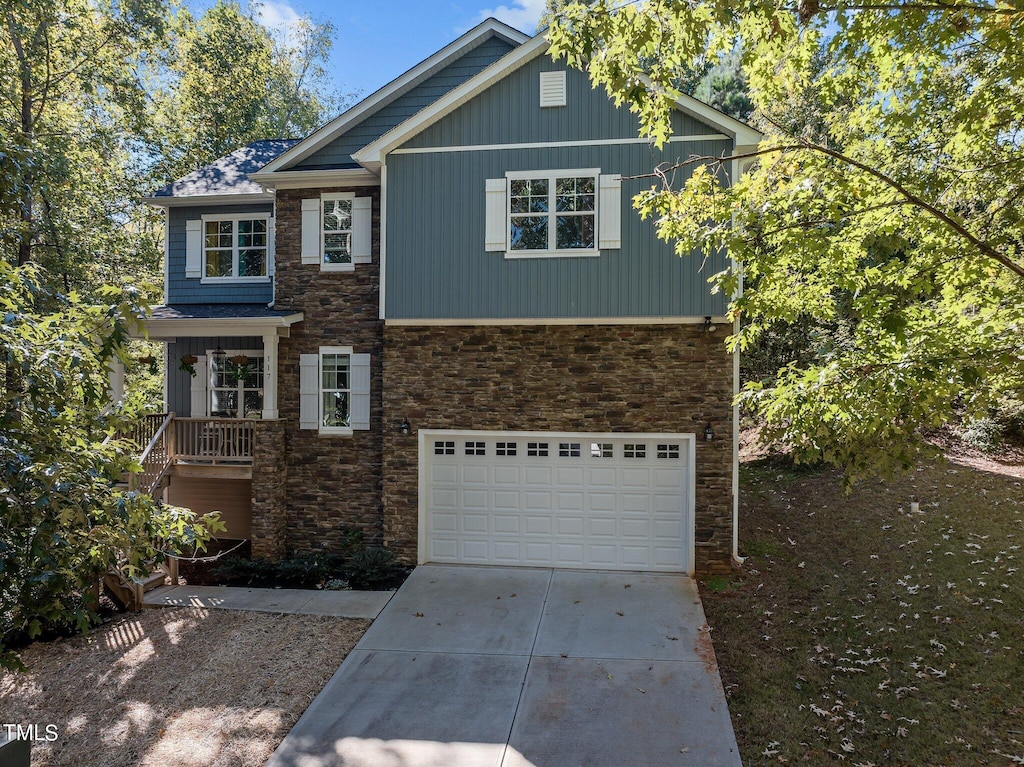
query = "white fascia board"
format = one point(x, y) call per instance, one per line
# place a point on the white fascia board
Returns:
point(209, 199)
point(301, 179)
point(389, 92)
point(372, 155)
point(158, 328)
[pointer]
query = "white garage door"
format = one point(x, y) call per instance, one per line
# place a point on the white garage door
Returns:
point(539, 499)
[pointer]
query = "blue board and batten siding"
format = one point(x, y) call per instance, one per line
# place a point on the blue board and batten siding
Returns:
point(183, 290)
point(179, 383)
point(338, 153)
point(437, 265)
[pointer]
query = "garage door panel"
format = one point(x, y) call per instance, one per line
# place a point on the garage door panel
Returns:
point(475, 523)
point(537, 476)
point(475, 474)
point(558, 501)
point(536, 525)
point(443, 522)
point(506, 475)
point(569, 476)
point(506, 499)
point(507, 523)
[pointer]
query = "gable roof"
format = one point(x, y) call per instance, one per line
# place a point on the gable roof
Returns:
point(226, 176)
point(388, 94)
point(372, 155)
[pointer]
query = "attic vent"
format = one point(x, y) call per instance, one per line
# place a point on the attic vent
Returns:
point(552, 89)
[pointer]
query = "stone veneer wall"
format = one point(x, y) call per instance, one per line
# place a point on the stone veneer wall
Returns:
point(334, 482)
point(269, 479)
point(617, 378)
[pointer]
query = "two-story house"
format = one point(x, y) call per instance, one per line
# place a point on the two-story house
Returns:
point(438, 320)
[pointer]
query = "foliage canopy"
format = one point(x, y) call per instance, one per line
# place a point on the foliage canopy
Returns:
point(882, 202)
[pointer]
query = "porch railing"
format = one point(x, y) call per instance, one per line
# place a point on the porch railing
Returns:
point(214, 440)
point(157, 453)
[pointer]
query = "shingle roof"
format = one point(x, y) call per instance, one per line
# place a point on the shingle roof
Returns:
point(229, 174)
point(216, 312)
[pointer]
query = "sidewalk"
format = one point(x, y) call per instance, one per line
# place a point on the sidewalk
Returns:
point(341, 604)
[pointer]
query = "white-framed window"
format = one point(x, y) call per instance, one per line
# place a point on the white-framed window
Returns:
point(334, 391)
point(336, 230)
point(553, 213)
point(235, 247)
point(236, 384)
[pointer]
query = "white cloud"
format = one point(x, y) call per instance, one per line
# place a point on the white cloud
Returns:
point(280, 18)
point(521, 14)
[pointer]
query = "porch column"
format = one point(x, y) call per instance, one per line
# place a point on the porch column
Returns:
point(115, 379)
point(270, 375)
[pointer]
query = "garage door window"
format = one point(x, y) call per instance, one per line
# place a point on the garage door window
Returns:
point(505, 448)
point(668, 451)
point(635, 450)
point(444, 448)
point(537, 449)
point(569, 449)
point(476, 448)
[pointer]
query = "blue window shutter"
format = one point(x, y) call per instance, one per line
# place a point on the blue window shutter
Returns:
point(312, 231)
point(496, 215)
point(360, 412)
point(309, 391)
point(194, 248)
point(362, 213)
point(609, 212)
point(199, 399)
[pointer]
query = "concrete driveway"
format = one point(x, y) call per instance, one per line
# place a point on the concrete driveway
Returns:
point(515, 667)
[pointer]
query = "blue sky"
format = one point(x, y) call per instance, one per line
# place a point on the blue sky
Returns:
point(378, 40)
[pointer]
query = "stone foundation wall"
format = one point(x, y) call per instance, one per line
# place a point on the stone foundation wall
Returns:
point(269, 486)
point(333, 482)
point(617, 378)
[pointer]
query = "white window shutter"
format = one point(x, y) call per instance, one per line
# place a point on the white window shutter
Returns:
point(200, 402)
point(312, 228)
point(271, 248)
point(309, 391)
point(609, 212)
point(496, 235)
point(361, 230)
point(359, 414)
point(194, 248)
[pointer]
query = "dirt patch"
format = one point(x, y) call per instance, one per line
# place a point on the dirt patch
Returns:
point(170, 687)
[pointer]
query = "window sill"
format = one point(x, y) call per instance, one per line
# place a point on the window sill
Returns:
point(518, 254)
point(337, 267)
point(335, 432)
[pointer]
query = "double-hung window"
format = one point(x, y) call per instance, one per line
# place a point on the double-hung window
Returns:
point(334, 390)
point(553, 212)
point(235, 248)
point(337, 230)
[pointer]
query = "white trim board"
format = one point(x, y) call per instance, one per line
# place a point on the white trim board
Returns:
point(469, 322)
point(556, 144)
point(303, 179)
point(372, 155)
point(190, 327)
point(389, 93)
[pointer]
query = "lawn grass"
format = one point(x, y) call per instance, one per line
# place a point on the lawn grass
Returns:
point(862, 633)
